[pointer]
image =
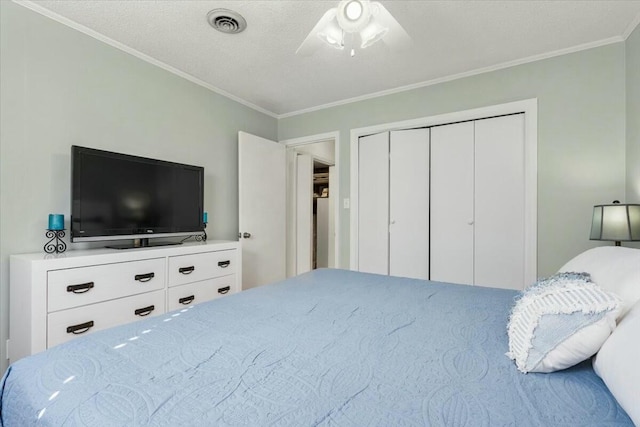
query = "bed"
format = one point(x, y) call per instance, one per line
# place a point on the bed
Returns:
point(330, 347)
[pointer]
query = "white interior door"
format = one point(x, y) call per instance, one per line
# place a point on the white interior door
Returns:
point(373, 203)
point(452, 216)
point(499, 202)
point(304, 213)
point(262, 216)
point(409, 203)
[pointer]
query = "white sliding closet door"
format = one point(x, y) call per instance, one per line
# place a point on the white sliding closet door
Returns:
point(499, 195)
point(409, 203)
point(373, 203)
point(445, 203)
point(452, 197)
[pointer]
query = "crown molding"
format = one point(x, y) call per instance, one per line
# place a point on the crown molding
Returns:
point(116, 44)
point(101, 37)
point(445, 79)
point(632, 26)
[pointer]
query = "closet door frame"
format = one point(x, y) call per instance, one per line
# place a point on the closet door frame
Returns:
point(530, 109)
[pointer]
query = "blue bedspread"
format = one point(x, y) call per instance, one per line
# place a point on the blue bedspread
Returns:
point(330, 348)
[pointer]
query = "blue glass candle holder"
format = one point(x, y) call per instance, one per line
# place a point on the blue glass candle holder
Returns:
point(56, 222)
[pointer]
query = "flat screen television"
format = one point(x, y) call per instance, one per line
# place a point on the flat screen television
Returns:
point(118, 196)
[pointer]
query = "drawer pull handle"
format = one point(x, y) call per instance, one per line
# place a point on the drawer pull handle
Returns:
point(81, 328)
point(145, 311)
point(224, 290)
point(81, 288)
point(224, 264)
point(187, 300)
point(144, 277)
point(186, 270)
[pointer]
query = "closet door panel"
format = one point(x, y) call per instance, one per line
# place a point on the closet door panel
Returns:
point(373, 203)
point(499, 202)
point(451, 204)
point(409, 203)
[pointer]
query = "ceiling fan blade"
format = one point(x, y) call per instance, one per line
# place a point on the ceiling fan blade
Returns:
point(397, 37)
point(312, 42)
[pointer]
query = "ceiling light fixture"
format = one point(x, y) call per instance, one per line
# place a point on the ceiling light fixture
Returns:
point(353, 10)
point(360, 23)
point(353, 15)
point(332, 34)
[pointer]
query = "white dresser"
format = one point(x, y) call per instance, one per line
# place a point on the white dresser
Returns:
point(55, 298)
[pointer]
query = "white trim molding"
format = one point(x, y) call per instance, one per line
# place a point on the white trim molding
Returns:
point(131, 51)
point(312, 139)
point(444, 79)
point(29, 4)
point(632, 26)
point(530, 109)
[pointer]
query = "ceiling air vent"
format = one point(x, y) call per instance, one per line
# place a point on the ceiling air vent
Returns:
point(226, 21)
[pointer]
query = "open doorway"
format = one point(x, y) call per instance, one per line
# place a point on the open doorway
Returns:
point(323, 221)
point(312, 194)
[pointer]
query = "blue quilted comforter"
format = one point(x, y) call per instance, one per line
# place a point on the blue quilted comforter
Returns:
point(326, 348)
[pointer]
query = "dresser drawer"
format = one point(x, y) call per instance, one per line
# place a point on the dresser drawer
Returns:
point(87, 285)
point(68, 324)
point(196, 267)
point(197, 292)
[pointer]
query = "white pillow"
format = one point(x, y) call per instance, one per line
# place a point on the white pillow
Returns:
point(618, 363)
point(560, 321)
point(614, 268)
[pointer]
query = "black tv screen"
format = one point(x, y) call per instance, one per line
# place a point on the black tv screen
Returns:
point(119, 196)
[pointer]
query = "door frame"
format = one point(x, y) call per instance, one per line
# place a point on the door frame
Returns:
point(530, 109)
point(302, 211)
point(312, 139)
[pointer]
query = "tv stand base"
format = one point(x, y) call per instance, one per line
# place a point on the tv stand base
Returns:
point(142, 243)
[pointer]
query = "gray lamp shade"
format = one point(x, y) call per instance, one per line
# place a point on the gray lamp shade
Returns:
point(617, 222)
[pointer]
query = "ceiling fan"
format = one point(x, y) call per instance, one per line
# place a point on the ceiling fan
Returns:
point(355, 24)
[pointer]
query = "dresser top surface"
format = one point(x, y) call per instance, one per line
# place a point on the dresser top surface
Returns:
point(123, 255)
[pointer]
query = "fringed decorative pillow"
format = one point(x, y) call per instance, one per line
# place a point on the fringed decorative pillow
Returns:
point(614, 268)
point(560, 321)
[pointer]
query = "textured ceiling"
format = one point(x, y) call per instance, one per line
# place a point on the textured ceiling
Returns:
point(260, 67)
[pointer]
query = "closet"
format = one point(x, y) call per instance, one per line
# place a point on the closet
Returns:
point(444, 203)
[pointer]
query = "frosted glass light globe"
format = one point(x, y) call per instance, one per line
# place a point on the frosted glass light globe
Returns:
point(353, 10)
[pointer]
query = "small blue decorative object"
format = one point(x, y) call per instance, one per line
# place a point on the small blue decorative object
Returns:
point(56, 222)
point(205, 217)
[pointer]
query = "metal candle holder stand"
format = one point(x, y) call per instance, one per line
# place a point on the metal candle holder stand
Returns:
point(56, 236)
point(202, 237)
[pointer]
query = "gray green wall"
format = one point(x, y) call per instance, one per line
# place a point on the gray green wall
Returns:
point(633, 116)
point(60, 87)
point(581, 136)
